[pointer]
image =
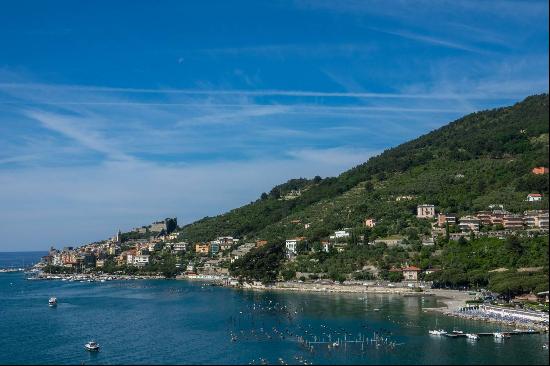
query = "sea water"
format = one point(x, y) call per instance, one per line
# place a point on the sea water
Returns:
point(172, 321)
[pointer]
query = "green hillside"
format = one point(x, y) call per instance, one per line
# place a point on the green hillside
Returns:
point(481, 159)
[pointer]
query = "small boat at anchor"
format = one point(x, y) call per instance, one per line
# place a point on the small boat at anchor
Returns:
point(437, 332)
point(92, 346)
point(472, 336)
point(52, 301)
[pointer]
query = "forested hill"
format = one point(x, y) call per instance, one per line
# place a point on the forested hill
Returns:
point(481, 159)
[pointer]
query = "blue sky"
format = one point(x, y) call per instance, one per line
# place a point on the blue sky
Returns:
point(114, 114)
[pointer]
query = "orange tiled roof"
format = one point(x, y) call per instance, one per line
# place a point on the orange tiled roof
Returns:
point(411, 268)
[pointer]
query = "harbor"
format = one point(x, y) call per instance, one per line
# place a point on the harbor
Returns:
point(240, 327)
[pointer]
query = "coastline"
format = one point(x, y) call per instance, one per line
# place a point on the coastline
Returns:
point(93, 277)
point(450, 300)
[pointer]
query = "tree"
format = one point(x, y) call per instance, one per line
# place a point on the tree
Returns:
point(288, 274)
point(513, 244)
point(302, 247)
point(369, 187)
point(260, 263)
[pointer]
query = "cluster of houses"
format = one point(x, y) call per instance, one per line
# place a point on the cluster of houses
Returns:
point(95, 254)
point(497, 218)
point(211, 257)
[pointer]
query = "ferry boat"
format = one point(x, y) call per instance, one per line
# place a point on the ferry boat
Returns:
point(92, 346)
point(437, 332)
point(52, 301)
point(472, 336)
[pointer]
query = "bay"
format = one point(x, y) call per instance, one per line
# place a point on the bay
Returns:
point(175, 322)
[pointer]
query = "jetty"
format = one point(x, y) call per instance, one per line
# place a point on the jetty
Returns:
point(491, 334)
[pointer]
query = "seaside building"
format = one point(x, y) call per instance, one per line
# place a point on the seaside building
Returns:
point(158, 226)
point(202, 248)
point(138, 260)
point(512, 221)
point(411, 273)
point(292, 244)
point(447, 218)
point(179, 247)
point(484, 217)
point(542, 221)
point(370, 222)
point(468, 223)
point(214, 247)
point(539, 170)
point(425, 211)
point(497, 216)
point(340, 234)
point(226, 242)
point(534, 197)
point(429, 241)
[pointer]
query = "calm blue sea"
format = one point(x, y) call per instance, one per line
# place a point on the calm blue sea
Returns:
point(169, 321)
point(20, 259)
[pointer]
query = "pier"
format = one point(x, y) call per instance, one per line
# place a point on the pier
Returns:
point(511, 333)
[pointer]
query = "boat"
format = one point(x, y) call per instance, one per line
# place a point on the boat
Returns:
point(52, 301)
point(458, 332)
point(501, 335)
point(437, 331)
point(92, 346)
point(472, 336)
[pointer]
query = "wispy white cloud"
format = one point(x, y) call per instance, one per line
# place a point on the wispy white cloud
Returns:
point(75, 128)
point(431, 40)
point(233, 92)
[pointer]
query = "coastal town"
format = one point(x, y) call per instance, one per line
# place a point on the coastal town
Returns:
point(213, 257)
point(159, 250)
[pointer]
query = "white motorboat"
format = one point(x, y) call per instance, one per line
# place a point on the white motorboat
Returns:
point(52, 301)
point(92, 346)
point(501, 335)
point(472, 336)
point(437, 332)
